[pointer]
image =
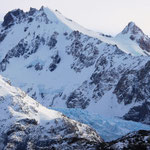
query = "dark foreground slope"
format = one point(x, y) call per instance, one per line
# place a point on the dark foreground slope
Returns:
point(133, 141)
point(27, 125)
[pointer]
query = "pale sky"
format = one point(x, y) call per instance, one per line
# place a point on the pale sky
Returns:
point(107, 16)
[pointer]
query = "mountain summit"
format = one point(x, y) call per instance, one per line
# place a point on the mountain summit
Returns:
point(136, 34)
point(132, 28)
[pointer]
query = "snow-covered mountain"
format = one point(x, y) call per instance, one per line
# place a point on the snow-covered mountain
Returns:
point(61, 64)
point(25, 124)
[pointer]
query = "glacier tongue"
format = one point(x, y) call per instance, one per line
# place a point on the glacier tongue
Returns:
point(109, 128)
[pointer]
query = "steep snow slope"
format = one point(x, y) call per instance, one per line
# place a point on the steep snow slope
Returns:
point(25, 124)
point(61, 64)
point(131, 40)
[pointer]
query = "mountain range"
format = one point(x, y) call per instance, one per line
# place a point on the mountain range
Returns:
point(60, 64)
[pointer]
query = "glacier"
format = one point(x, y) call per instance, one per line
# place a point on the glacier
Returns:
point(109, 128)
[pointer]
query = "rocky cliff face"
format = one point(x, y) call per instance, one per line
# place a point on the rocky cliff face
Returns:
point(25, 124)
point(61, 64)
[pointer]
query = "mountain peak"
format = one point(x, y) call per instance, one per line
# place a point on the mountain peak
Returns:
point(19, 16)
point(132, 28)
point(11, 16)
point(131, 24)
point(136, 34)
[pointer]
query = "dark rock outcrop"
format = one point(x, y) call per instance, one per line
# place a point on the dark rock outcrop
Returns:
point(134, 85)
point(139, 113)
point(11, 17)
point(139, 140)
